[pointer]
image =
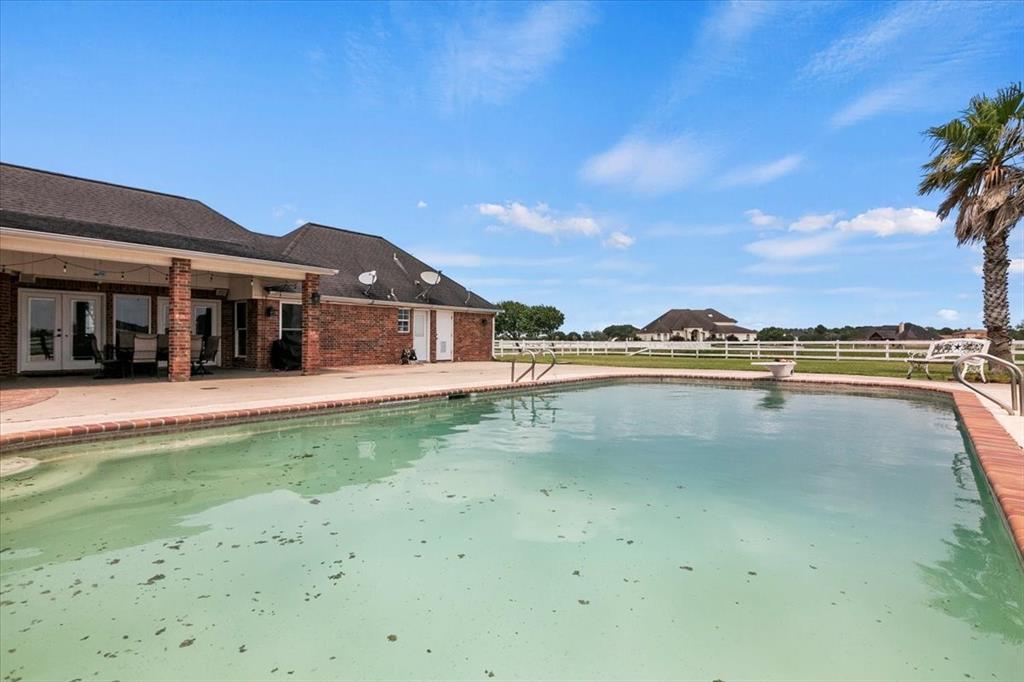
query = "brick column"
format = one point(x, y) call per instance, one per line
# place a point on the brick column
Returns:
point(8, 325)
point(310, 325)
point(179, 323)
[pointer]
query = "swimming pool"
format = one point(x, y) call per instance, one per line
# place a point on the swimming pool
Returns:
point(620, 531)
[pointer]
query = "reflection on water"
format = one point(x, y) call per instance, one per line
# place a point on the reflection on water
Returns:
point(774, 399)
point(614, 532)
point(976, 582)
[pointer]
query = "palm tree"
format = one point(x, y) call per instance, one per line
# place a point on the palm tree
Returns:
point(976, 160)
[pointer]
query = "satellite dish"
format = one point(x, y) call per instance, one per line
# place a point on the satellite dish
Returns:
point(368, 278)
point(430, 277)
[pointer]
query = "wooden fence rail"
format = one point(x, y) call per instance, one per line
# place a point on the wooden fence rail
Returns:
point(896, 351)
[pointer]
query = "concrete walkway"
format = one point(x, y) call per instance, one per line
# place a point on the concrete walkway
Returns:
point(83, 400)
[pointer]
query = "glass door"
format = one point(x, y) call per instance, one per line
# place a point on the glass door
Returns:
point(81, 316)
point(39, 329)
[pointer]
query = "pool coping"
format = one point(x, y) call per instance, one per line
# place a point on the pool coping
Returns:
point(998, 454)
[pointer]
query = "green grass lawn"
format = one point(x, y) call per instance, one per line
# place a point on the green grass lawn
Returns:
point(875, 368)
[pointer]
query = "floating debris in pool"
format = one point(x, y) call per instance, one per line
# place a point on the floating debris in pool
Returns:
point(160, 631)
point(314, 501)
point(489, 673)
point(186, 642)
point(242, 649)
point(751, 572)
point(158, 576)
point(584, 602)
point(576, 572)
point(392, 638)
point(686, 568)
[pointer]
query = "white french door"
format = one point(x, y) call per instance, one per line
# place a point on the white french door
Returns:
point(55, 330)
point(445, 334)
point(421, 334)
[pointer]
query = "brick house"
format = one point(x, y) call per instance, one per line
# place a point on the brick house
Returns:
point(82, 258)
point(695, 325)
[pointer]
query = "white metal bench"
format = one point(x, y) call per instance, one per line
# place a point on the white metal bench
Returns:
point(948, 351)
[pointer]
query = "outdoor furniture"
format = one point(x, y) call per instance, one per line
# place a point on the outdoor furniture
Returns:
point(143, 352)
point(162, 347)
point(208, 348)
point(107, 364)
point(948, 351)
point(780, 369)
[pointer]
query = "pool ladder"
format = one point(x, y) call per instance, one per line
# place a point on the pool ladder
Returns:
point(1016, 382)
point(532, 369)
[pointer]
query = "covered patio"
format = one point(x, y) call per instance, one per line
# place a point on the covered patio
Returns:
point(77, 302)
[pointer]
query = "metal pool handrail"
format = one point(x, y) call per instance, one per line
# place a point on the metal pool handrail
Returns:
point(554, 359)
point(531, 370)
point(1016, 382)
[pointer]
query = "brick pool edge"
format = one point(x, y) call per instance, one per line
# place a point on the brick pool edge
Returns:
point(999, 456)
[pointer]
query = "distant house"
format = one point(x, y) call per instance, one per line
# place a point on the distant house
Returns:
point(695, 325)
point(904, 331)
point(968, 334)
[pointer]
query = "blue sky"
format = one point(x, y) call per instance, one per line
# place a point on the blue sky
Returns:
point(611, 159)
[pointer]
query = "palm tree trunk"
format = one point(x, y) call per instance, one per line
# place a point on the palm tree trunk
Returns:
point(997, 289)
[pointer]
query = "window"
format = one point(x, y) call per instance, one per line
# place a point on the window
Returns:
point(403, 320)
point(241, 328)
point(291, 322)
point(131, 314)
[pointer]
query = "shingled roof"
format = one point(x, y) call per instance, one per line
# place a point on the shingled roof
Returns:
point(54, 203)
point(352, 253)
point(687, 318)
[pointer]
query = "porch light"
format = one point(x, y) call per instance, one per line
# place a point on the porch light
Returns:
point(269, 312)
point(315, 298)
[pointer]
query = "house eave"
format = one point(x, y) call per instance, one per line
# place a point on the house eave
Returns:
point(17, 239)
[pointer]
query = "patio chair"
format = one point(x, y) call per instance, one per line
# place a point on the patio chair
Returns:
point(208, 353)
point(107, 365)
point(144, 352)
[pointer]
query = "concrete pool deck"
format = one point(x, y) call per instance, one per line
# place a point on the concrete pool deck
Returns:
point(36, 412)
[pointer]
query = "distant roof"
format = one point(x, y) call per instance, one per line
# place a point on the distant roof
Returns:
point(54, 203)
point(688, 318)
point(892, 332)
point(352, 253)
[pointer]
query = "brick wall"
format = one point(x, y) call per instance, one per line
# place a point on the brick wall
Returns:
point(8, 325)
point(473, 337)
point(361, 335)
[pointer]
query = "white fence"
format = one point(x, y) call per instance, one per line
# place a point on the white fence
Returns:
point(805, 350)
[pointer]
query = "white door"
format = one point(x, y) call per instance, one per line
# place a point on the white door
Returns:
point(445, 334)
point(421, 334)
point(54, 330)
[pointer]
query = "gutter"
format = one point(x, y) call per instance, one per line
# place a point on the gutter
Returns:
point(346, 300)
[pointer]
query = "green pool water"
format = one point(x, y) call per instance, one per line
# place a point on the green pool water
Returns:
point(624, 531)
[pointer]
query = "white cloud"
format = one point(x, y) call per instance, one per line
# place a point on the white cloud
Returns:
point(889, 221)
point(948, 314)
point(812, 222)
point(784, 268)
point(539, 219)
point(493, 58)
point(708, 289)
point(281, 211)
point(894, 97)
point(787, 248)
point(718, 45)
point(421, 204)
point(474, 260)
point(758, 217)
point(619, 240)
point(1017, 266)
point(648, 166)
point(869, 44)
point(763, 173)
